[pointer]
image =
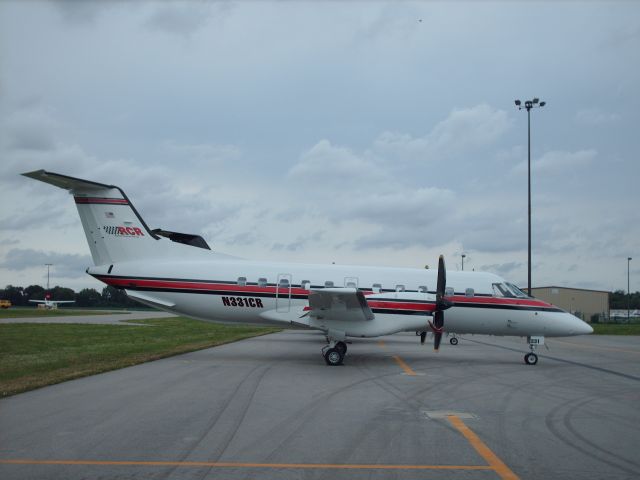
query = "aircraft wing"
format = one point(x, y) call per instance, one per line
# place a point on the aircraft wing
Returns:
point(37, 301)
point(346, 304)
point(61, 301)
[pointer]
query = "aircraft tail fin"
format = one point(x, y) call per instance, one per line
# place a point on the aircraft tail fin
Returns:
point(114, 229)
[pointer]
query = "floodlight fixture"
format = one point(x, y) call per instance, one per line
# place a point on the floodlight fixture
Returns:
point(518, 103)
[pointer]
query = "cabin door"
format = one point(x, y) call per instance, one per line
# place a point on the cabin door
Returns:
point(283, 292)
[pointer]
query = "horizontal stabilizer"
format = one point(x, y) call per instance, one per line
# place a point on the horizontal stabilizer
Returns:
point(149, 300)
point(66, 182)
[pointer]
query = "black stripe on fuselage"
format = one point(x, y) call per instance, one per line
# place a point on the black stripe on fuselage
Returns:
point(255, 284)
point(495, 306)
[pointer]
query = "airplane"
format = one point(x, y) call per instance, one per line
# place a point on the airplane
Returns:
point(179, 273)
point(51, 304)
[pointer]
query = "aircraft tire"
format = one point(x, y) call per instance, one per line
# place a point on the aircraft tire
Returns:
point(333, 357)
point(453, 341)
point(342, 348)
point(531, 359)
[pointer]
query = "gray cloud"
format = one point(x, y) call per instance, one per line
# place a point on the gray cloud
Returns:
point(257, 123)
point(464, 130)
point(596, 117)
point(64, 265)
point(184, 19)
point(502, 269)
point(77, 13)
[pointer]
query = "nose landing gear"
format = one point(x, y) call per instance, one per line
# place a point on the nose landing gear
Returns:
point(531, 358)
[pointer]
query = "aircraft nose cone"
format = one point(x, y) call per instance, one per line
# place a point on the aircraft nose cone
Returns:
point(587, 328)
point(580, 327)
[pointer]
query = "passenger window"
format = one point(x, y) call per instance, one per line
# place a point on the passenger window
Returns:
point(306, 284)
point(399, 288)
point(449, 292)
point(469, 292)
point(376, 288)
point(242, 281)
point(423, 289)
point(328, 284)
point(262, 282)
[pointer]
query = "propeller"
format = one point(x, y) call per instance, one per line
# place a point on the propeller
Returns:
point(442, 304)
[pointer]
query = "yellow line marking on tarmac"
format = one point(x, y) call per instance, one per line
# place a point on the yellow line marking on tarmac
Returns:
point(485, 452)
point(319, 466)
point(407, 369)
point(494, 463)
point(591, 347)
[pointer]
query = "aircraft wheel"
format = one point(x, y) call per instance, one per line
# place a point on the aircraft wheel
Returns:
point(342, 348)
point(453, 341)
point(531, 359)
point(333, 357)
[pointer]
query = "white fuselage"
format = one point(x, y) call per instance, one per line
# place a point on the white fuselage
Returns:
point(402, 299)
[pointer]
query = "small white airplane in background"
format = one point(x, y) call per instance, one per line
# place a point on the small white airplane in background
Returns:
point(51, 304)
point(179, 273)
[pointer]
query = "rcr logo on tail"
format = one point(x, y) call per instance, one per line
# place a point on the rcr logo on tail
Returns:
point(123, 231)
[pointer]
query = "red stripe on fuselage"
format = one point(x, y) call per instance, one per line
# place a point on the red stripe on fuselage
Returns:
point(518, 302)
point(401, 305)
point(125, 282)
point(107, 201)
point(387, 303)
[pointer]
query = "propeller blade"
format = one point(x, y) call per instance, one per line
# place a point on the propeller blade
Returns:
point(442, 278)
point(437, 338)
point(437, 327)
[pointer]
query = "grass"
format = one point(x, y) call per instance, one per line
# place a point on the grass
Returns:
point(24, 312)
point(616, 328)
point(35, 355)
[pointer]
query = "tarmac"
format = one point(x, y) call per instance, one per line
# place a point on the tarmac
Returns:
point(269, 408)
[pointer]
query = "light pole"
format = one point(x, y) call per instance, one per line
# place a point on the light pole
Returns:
point(628, 292)
point(463, 255)
point(48, 265)
point(529, 104)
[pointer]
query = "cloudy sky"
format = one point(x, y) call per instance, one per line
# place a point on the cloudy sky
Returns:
point(348, 132)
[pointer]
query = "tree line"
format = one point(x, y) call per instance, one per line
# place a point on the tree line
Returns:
point(87, 297)
point(618, 300)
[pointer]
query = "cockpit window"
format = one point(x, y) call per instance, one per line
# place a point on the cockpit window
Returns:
point(516, 291)
point(501, 290)
point(508, 290)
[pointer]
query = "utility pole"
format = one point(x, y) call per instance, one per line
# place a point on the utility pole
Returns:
point(463, 255)
point(48, 265)
point(628, 291)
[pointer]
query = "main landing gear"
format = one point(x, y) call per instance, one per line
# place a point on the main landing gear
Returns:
point(335, 351)
point(453, 340)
